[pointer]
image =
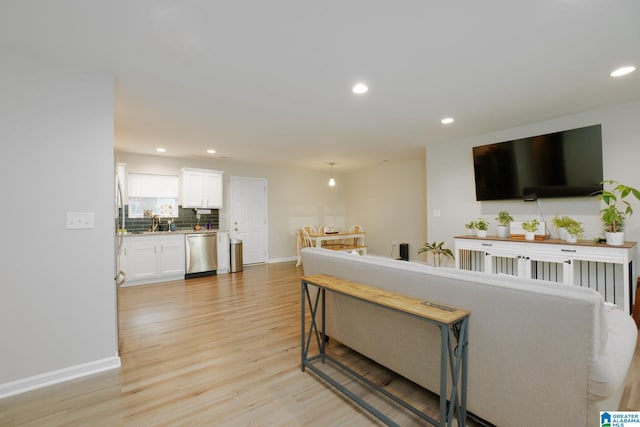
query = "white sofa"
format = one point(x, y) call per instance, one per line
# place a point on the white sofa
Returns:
point(539, 352)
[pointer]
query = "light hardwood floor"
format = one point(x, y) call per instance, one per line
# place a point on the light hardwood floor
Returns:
point(221, 350)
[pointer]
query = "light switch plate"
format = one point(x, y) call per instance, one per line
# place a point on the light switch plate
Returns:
point(80, 220)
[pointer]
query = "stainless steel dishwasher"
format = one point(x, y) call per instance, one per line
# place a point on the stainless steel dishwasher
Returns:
point(201, 254)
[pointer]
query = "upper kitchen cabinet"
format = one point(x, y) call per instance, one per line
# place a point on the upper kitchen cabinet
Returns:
point(201, 188)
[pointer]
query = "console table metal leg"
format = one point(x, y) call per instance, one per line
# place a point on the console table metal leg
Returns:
point(454, 352)
point(322, 335)
point(444, 346)
point(313, 327)
point(458, 364)
point(463, 343)
point(303, 350)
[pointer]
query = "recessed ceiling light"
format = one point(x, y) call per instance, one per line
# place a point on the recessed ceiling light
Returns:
point(622, 71)
point(161, 150)
point(360, 88)
point(211, 151)
point(447, 121)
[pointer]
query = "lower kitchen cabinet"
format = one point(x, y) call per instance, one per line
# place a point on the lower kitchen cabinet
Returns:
point(148, 258)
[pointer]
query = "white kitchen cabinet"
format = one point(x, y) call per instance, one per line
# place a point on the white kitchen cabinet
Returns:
point(172, 256)
point(607, 269)
point(142, 259)
point(201, 188)
point(223, 252)
point(155, 186)
point(153, 258)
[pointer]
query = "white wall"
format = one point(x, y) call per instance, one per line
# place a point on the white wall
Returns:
point(450, 179)
point(57, 294)
point(388, 201)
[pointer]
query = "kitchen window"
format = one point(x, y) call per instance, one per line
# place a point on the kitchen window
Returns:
point(156, 193)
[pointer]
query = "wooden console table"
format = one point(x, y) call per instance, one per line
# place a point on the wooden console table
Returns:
point(607, 269)
point(449, 319)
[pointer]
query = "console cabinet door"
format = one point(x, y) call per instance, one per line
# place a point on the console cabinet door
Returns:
point(546, 262)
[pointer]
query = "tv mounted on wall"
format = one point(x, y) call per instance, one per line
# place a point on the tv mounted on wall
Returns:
point(559, 164)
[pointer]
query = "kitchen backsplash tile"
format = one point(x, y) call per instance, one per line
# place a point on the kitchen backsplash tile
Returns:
point(186, 219)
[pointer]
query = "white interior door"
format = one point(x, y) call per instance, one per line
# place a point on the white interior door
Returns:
point(249, 217)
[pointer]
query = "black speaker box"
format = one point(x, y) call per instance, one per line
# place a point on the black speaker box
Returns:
point(404, 251)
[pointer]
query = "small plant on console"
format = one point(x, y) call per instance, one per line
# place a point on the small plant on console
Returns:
point(504, 218)
point(614, 215)
point(531, 226)
point(437, 250)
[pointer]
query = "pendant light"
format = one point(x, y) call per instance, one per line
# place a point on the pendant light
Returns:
point(332, 182)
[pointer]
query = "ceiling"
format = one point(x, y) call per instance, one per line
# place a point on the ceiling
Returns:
point(270, 81)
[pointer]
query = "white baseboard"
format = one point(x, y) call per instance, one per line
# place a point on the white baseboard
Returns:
point(277, 260)
point(152, 280)
point(55, 377)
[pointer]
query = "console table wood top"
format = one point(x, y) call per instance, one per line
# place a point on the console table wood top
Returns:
point(626, 245)
point(431, 310)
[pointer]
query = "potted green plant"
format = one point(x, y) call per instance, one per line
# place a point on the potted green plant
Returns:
point(561, 223)
point(504, 219)
point(437, 250)
point(482, 225)
point(616, 210)
point(471, 227)
point(530, 228)
point(574, 231)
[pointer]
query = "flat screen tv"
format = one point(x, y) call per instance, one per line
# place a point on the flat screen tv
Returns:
point(559, 164)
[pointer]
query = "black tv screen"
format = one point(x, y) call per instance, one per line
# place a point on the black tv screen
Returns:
point(560, 164)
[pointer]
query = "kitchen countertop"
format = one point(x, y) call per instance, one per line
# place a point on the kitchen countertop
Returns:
point(179, 231)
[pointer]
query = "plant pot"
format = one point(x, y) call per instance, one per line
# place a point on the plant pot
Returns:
point(529, 235)
point(471, 232)
point(563, 233)
point(572, 238)
point(615, 239)
point(481, 233)
point(503, 230)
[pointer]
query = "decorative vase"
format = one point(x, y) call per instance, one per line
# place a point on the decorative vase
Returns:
point(563, 233)
point(529, 235)
point(503, 231)
point(615, 239)
point(482, 233)
point(572, 238)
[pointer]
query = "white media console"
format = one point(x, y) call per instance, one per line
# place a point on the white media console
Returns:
point(607, 269)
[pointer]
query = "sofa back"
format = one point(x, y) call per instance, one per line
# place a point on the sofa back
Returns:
point(530, 342)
